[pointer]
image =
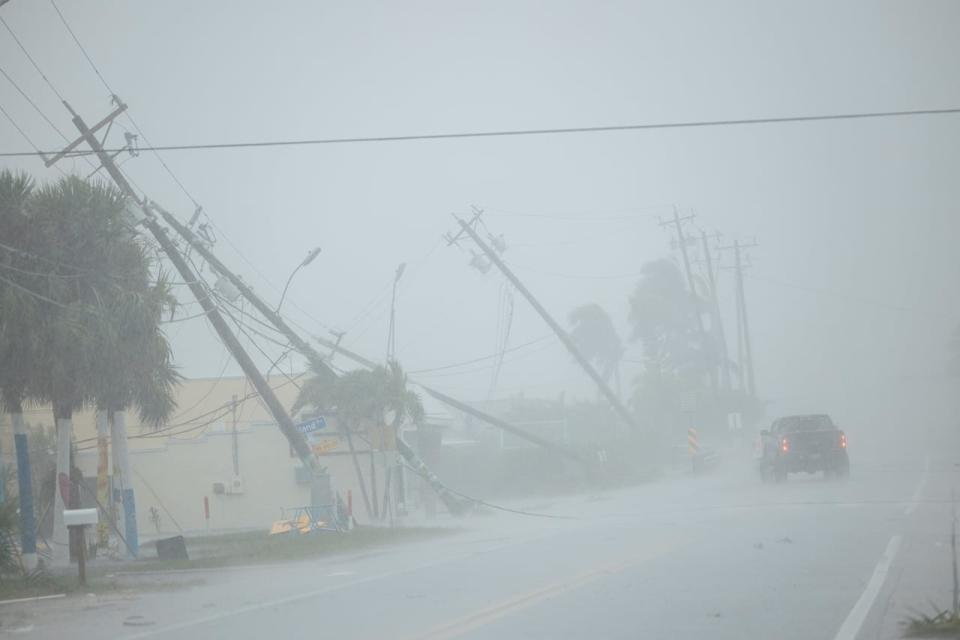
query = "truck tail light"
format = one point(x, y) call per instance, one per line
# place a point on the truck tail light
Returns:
point(843, 441)
point(785, 445)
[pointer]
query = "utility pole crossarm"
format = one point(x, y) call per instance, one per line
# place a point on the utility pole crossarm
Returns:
point(557, 329)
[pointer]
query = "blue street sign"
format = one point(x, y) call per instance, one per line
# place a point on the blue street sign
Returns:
point(316, 424)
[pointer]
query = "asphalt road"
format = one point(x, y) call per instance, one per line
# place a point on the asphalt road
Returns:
point(716, 556)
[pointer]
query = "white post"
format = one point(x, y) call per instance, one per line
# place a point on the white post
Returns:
point(103, 479)
point(123, 481)
point(60, 553)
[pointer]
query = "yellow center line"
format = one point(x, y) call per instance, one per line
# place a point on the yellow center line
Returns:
point(510, 606)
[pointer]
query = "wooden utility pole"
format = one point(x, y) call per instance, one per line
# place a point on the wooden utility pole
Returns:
point(717, 316)
point(268, 312)
point(296, 439)
point(743, 320)
point(299, 344)
point(557, 329)
point(317, 361)
point(677, 223)
point(506, 426)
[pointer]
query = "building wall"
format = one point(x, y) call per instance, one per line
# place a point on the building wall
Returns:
point(176, 475)
point(175, 466)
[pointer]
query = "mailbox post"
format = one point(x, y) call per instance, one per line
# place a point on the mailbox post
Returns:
point(76, 520)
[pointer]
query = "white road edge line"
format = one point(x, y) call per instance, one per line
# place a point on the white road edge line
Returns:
point(855, 619)
point(33, 599)
point(915, 498)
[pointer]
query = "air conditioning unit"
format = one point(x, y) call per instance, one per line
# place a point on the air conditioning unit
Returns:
point(236, 485)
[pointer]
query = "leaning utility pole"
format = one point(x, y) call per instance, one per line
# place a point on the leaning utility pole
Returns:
point(509, 428)
point(307, 350)
point(677, 222)
point(317, 361)
point(557, 329)
point(717, 317)
point(296, 439)
point(746, 364)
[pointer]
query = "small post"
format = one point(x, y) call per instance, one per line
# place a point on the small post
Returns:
point(693, 444)
point(81, 553)
point(206, 512)
point(953, 548)
point(76, 521)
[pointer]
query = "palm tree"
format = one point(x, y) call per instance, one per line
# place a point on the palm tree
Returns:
point(18, 342)
point(677, 357)
point(101, 345)
point(363, 400)
point(135, 368)
point(597, 338)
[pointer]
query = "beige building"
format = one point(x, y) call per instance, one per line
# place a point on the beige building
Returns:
point(183, 472)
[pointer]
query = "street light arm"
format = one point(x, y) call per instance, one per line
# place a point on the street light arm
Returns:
point(287, 286)
point(310, 256)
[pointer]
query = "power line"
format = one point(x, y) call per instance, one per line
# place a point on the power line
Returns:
point(489, 366)
point(223, 409)
point(32, 61)
point(527, 132)
point(129, 116)
point(19, 130)
point(32, 104)
point(481, 359)
point(82, 49)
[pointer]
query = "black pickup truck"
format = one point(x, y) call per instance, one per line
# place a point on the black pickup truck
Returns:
point(808, 443)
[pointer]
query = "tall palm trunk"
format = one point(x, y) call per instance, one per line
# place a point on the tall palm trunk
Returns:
point(103, 478)
point(123, 480)
point(356, 466)
point(28, 524)
point(60, 552)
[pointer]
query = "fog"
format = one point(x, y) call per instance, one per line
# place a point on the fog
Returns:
point(852, 289)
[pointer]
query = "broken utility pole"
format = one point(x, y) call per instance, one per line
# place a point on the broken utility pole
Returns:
point(296, 439)
point(557, 329)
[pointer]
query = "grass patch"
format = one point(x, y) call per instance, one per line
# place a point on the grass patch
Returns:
point(47, 585)
point(941, 624)
point(256, 547)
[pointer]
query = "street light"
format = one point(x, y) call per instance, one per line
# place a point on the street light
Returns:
point(310, 257)
point(391, 337)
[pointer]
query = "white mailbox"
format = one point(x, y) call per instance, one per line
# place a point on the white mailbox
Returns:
point(79, 517)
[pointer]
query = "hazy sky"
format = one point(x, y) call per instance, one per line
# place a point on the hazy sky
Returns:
point(854, 287)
